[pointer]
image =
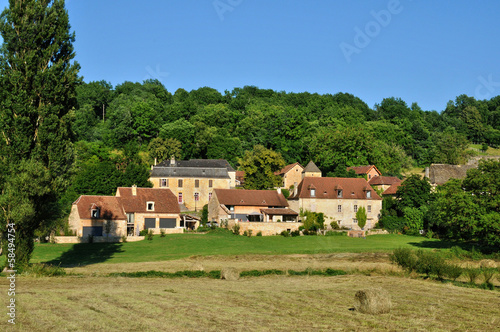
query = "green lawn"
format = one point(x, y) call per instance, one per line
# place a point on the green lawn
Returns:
point(177, 246)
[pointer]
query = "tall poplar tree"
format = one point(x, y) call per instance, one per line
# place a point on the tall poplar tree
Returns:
point(37, 94)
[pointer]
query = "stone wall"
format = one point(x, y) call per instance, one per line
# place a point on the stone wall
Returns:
point(97, 239)
point(267, 228)
point(440, 173)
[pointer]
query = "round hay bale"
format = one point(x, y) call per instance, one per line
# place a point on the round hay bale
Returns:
point(198, 267)
point(372, 301)
point(488, 263)
point(229, 273)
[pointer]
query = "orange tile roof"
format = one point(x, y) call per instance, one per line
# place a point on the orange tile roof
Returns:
point(392, 189)
point(363, 169)
point(326, 188)
point(110, 207)
point(240, 197)
point(164, 200)
point(287, 168)
point(383, 180)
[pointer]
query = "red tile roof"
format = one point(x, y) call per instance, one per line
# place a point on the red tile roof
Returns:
point(164, 200)
point(287, 168)
point(239, 197)
point(383, 180)
point(110, 207)
point(392, 189)
point(326, 188)
point(363, 169)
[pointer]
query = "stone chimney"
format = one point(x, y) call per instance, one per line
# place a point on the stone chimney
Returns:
point(155, 161)
point(295, 188)
point(279, 191)
point(172, 161)
point(134, 190)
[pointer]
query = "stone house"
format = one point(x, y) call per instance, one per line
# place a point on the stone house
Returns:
point(130, 211)
point(383, 182)
point(311, 171)
point(149, 208)
point(193, 181)
point(339, 199)
point(392, 190)
point(290, 174)
point(248, 205)
point(370, 171)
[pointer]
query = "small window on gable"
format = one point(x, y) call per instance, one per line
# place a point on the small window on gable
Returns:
point(339, 193)
point(95, 213)
point(368, 194)
point(150, 206)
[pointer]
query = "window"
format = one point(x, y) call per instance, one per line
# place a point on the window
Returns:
point(196, 184)
point(369, 176)
point(313, 192)
point(210, 183)
point(180, 198)
point(95, 213)
point(355, 208)
point(150, 206)
point(209, 196)
point(196, 197)
point(369, 208)
point(339, 208)
point(339, 193)
point(179, 183)
point(163, 182)
point(368, 194)
point(355, 220)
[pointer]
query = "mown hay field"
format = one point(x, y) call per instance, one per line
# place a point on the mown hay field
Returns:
point(269, 303)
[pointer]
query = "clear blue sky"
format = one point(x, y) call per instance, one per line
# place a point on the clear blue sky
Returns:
point(426, 51)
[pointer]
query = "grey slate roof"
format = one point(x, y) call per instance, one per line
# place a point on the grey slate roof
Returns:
point(198, 163)
point(311, 167)
point(189, 172)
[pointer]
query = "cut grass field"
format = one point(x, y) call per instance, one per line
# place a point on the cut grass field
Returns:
point(269, 303)
point(177, 246)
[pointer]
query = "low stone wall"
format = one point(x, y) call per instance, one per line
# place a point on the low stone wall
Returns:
point(376, 232)
point(96, 239)
point(356, 233)
point(168, 230)
point(267, 228)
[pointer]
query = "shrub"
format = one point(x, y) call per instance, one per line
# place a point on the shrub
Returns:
point(285, 234)
point(259, 233)
point(295, 233)
point(245, 233)
point(279, 220)
point(334, 225)
point(149, 235)
point(405, 258)
point(472, 274)
point(429, 263)
point(144, 232)
point(333, 233)
point(488, 274)
point(124, 238)
point(90, 239)
point(44, 270)
point(202, 229)
point(236, 229)
point(453, 271)
point(162, 232)
point(249, 233)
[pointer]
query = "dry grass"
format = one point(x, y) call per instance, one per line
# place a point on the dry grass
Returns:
point(308, 303)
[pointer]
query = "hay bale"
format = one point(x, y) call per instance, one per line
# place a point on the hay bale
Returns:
point(372, 301)
point(198, 267)
point(488, 264)
point(229, 273)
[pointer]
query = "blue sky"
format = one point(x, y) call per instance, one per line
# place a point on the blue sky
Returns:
point(427, 52)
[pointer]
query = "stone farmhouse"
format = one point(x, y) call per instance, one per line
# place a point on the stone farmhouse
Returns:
point(130, 211)
point(370, 171)
point(339, 199)
point(383, 182)
point(193, 181)
point(291, 175)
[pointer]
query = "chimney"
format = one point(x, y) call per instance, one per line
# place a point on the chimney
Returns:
point(295, 189)
point(134, 190)
point(172, 161)
point(279, 191)
point(155, 161)
point(427, 172)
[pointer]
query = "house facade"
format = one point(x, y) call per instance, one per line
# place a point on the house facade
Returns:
point(126, 214)
point(339, 199)
point(193, 181)
point(370, 171)
point(290, 174)
point(246, 205)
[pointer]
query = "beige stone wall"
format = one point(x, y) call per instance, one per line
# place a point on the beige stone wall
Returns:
point(372, 173)
point(96, 239)
point(330, 208)
point(215, 212)
point(188, 189)
point(74, 220)
point(267, 228)
point(139, 221)
point(118, 229)
point(294, 175)
point(311, 175)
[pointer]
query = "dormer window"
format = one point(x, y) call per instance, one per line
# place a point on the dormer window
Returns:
point(368, 194)
point(339, 193)
point(150, 206)
point(95, 213)
point(313, 192)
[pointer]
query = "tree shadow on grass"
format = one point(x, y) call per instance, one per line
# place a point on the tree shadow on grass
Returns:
point(82, 254)
point(444, 244)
